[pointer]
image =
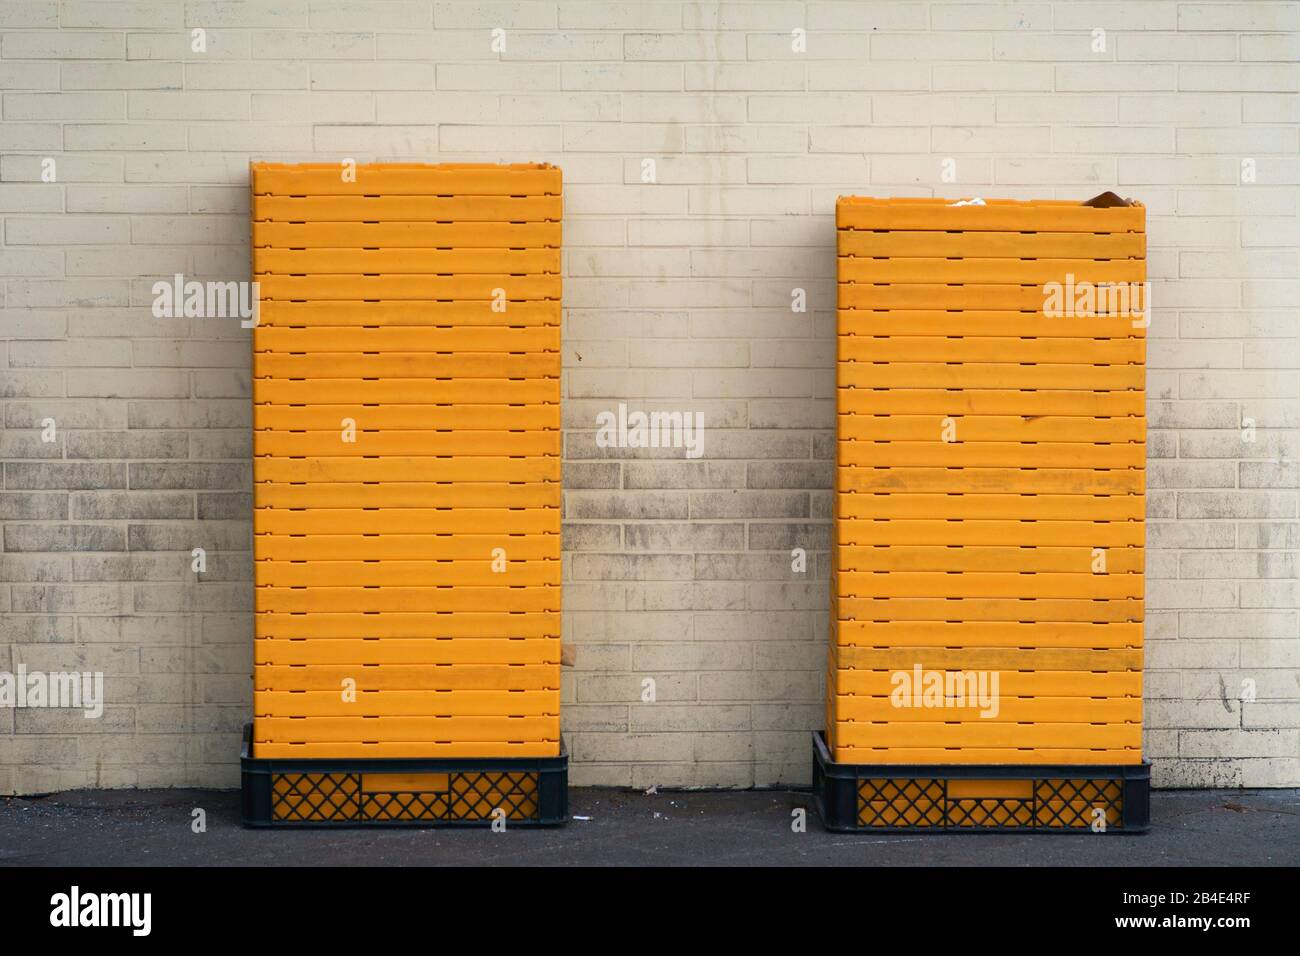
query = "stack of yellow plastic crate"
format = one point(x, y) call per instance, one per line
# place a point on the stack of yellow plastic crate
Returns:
point(989, 494)
point(406, 387)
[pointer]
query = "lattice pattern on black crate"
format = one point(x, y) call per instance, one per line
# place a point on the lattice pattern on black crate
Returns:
point(1074, 803)
point(316, 797)
point(927, 803)
point(900, 803)
point(456, 796)
point(989, 813)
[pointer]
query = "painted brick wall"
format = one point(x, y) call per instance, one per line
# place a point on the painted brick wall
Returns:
point(678, 296)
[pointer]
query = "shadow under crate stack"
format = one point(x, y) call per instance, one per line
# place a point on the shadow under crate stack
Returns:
point(406, 416)
point(987, 571)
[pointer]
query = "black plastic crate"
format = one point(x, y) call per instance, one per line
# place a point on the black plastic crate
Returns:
point(524, 791)
point(980, 798)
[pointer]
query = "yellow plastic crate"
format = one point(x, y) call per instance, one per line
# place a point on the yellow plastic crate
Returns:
point(989, 456)
point(406, 423)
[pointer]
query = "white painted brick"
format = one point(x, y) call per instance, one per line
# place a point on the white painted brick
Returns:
point(372, 76)
point(1261, 77)
point(747, 76)
point(931, 46)
point(538, 15)
point(885, 16)
point(782, 46)
point(122, 76)
point(64, 45)
point(774, 15)
point(1282, 47)
point(345, 15)
point(1112, 139)
point(280, 14)
point(150, 261)
point(975, 16)
point(868, 77)
point(1199, 170)
point(1238, 142)
point(71, 169)
point(1239, 16)
point(559, 46)
point(947, 140)
point(1239, 743)
point(29, 76)
point(636, 77)
point(283, 44)
point(243, 138)
point(185, 167)
point(517, 77)
point(760, 263)
point(807, 169)
point(496, 139)
point(30, 262)
point(647, 138)
point(657, 263)
point(1191, 108)
point(127, 199)
point(638, 200)
point(30, 197)
point(1081, 171)
point(417, 108)
point(1117, 17)
point(1056, 109)
point(65, 106)
point(218, 45)
point(672, 169)
point(260, 77)
point(148, 14)
point(1177, 46)
point(188, 106)
point(604, 16)
point(33, 136)
point(113, 136)
point(900, 109)
point(66, 230)
point(393, 140)
point(1118, 77)
point(29, 13)
point(647, 231)
point(997, 77)
point(868, 139)
point(580, 107)
point(684, 46)
point(1270, 108)
point(745, 139)
point(1059, 48)
point(1270, 232)
point(443, 46)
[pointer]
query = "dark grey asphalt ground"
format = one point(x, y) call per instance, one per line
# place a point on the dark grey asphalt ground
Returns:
point(124, 828)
